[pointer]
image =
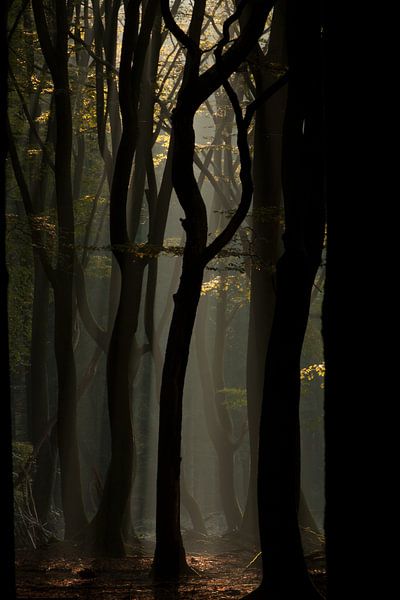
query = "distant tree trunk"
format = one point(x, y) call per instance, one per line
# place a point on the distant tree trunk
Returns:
point(192, 508)
point(6, 477)
point(266, 228)
point(218, 418)
point(36, 176)
point(56, 56)
point(43, 482)
point(226, 454)
point(306, 519)
point(219, 426)
point(284, 570)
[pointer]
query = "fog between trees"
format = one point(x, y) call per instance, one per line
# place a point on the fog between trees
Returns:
point(143, 276)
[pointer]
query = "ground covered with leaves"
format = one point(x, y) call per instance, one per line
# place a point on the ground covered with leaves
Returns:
point(225, 570)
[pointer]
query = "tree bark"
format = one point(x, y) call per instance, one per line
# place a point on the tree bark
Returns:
point(8, 563)
point(56, 57)
point(106, 527)
point(43, 482)
point(279, 445)
point(265, 244)
point(108, 522)
point(169, 558)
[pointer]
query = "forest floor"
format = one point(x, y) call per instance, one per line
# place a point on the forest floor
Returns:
point(60, 571)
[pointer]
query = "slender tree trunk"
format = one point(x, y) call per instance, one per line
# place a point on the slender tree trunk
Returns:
point(43, 482)
point(56, 56)
point(284, 569)
point(192, 508)
point(266, 228)
point(7, 564)
point(169, 558)
point(107, 525)
point(222, 434)
point(71, 489)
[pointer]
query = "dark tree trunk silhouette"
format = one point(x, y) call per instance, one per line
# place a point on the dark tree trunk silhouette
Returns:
point(284, 570)
point(42, 487)
point(357, 326)
point(169, 558)
point(56, 56)
point(43, 483)
point(7, 563)
point(108, 522)
point(265, 243)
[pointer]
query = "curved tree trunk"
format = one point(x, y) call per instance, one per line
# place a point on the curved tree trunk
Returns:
point(169, 558)
point(108, 522)
point(106, 527)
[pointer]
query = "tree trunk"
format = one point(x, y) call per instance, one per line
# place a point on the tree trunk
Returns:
point(266, 224)
point(56, 56)
point(106, 527)
point(6, 471)
point(222, 434)
point(71, 489)
point(43, 482)
point(169, 558)
point(192, 508)
point(284, 569)
point(358, 315)
point(108, 522)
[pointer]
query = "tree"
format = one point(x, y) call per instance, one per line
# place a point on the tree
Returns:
point(55, 52)
point(169, 558)
point(265, 242)
point(302, 180)
point(107, 524)
point(8, 566)
point(358, 318)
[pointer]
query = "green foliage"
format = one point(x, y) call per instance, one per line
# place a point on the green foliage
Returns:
point(235, 397)
point(235, 286)
point(313, 373)
point(22, 452)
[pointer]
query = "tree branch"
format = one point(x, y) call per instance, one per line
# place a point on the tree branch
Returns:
point(30, 120)
point(95, 57)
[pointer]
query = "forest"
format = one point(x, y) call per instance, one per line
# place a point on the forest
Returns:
point(182, 388)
